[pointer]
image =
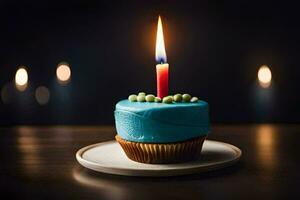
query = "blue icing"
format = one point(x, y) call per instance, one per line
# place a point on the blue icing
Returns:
point(160, 122)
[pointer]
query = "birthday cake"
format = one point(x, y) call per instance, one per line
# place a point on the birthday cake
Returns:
point(162, 128)
point(171, 131)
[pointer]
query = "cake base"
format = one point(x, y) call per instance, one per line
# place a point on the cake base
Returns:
point(162, 153)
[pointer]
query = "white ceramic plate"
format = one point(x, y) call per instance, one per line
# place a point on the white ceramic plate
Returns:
point(108, 157)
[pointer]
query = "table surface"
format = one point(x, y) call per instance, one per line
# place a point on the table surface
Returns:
point(39, 162)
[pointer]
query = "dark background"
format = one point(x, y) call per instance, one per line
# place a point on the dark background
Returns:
point(214, 50)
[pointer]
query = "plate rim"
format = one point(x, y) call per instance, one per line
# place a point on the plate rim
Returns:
point(158, 172)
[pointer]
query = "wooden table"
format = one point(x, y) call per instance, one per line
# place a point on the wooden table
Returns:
point(39, 163)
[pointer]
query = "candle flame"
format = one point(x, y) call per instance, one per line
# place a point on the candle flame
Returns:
point(160, 51)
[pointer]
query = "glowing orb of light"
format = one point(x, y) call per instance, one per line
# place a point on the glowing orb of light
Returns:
point(264, 76)
point(42, 95)
point(63, 73)
point(21, 79)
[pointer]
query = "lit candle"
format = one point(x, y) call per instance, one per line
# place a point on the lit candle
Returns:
point(162, 68)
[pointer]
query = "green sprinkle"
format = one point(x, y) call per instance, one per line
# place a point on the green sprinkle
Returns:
point(142, 94)
point(167, 99)
point(132, 98)
point(177, 97)
point(141, 98)
point(186, 97)
point(157, 99)
point(194, 99)
point(150, 98)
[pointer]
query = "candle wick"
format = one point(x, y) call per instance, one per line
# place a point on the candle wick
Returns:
point(161, 61)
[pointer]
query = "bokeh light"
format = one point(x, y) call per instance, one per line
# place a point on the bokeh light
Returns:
point(6, 93)
point(266, 147)
point(264, 76)
point(42, 95)
point(21, 79)
point(63, 73)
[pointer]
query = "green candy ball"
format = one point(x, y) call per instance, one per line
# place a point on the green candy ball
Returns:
point(170, 96)
point(141, 98)
point(177, 97)
point(142, 94)
point(150, 98)
point(186, 97)
point(157, 99)
point(167, 99)
point(194, 99)
point(132, 98)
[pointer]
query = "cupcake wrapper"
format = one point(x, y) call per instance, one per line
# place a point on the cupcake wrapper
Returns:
point(156, 153)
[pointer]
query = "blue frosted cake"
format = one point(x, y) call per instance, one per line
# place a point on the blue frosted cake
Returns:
point(151, 131)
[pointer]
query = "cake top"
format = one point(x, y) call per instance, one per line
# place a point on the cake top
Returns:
point(139, 106)
point(161, 122)
point(188, 114)
point(146, 118)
